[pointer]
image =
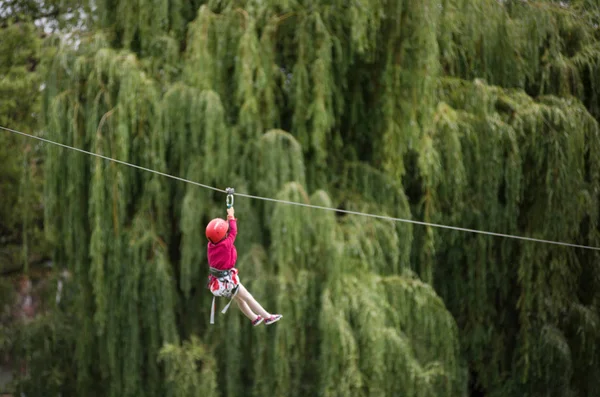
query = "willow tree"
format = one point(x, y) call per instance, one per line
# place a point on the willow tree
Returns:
point(401, 108)
point(515, 153)
point(142, 249)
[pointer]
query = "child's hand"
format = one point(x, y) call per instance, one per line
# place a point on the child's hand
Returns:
point(230, 213)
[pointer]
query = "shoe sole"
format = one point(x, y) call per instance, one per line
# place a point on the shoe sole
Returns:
point(258, 323)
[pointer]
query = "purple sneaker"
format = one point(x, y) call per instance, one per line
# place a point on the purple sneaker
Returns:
point(258, 320)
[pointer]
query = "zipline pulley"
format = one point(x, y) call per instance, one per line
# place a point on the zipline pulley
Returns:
point(229, 192)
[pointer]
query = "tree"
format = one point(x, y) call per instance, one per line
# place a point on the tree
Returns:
point(407, 109)
point(28, 30)
point(26, 42)
point(20, 89)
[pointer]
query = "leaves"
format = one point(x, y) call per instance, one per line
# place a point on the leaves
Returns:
point(413, 110)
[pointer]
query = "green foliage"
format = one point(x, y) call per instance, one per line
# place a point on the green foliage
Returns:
point(19, 90)
point(21, 213)
point(191, 369)
point(414, 110)
point(44, 350)
point(537, 180)
point(41, 348)
point(370, 332)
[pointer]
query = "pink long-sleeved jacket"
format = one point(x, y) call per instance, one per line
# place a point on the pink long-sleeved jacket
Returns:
point(223, 255)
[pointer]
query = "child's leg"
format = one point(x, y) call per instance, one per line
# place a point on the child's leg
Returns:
point(256, 307)
point(244, 307)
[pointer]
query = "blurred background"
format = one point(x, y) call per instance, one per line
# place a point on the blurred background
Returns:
point(479, 114)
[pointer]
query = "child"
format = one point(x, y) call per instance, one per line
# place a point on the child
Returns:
point(223, 280)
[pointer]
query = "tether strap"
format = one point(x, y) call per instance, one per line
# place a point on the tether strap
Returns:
point(231, 300)
point(212, 311)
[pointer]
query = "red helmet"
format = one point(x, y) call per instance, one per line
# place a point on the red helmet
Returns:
point(216, 230)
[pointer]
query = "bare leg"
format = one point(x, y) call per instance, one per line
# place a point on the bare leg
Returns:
point(254, 305)
point(245, 308)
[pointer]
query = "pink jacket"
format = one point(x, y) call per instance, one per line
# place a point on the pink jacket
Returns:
point(223, 255)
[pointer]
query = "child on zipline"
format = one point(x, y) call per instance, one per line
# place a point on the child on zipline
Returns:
point(223, 278)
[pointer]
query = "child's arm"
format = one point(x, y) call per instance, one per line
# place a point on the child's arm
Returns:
point(232, 225)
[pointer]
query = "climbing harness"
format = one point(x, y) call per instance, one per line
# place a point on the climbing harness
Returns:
point(223, 283)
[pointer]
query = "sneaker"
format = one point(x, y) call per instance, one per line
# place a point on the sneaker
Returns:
point(258, 320)
point(274, 318)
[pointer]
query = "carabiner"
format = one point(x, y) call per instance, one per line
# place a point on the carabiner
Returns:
point(229, 192)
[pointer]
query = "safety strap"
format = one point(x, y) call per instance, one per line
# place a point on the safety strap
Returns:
point(212, 311)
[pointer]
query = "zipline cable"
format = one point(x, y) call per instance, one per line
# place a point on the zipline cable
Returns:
point(111, 159)
point(307, 205)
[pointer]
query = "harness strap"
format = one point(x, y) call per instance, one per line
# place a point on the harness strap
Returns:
point(231, 300)
point(218, 273)
point(212, 311)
